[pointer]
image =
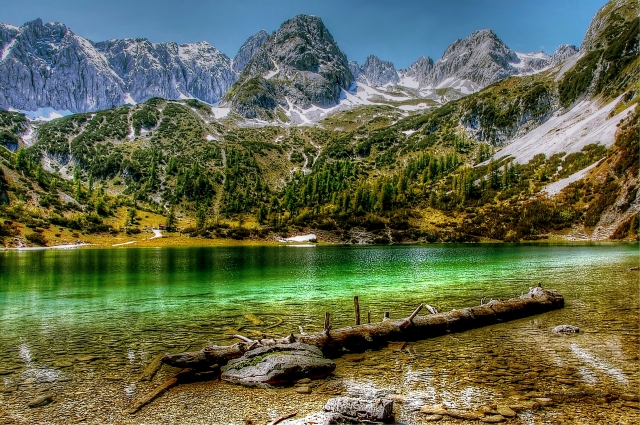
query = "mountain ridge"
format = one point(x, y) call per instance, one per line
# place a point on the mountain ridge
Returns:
point(137, 70)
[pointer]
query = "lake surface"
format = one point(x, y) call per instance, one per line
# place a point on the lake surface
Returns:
point(104, 314)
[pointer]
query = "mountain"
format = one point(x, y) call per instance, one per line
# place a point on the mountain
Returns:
point(300, 64)
point(375, 72)
point(169, 70)
point(553, 154)
point(416, 75)
point(299, 69)
point(48, 66)
point(248, 49)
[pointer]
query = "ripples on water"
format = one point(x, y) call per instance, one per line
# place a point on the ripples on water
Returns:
point(103, 315)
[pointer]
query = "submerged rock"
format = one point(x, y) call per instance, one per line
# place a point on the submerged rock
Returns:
point(40, 401)
point(278, 365)
point(566, 329)
point(345, 410)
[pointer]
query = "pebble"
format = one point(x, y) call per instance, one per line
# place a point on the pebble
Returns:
point(112, 377)
point(61, 364)
point(506, 411)
point(303, 390)
point(87, 359)
point(630, 397)
point(493, 419)
point(40, 401)
point(464, 414)
point(544, 401)
point(396, 398)
point(353, 357)
point(436, 409)
point(432, 418)
point(304, 381)
point(8, 389)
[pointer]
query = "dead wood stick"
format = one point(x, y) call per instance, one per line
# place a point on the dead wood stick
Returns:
point(386, 316)
point(327, 323)
point(282, 418)
point(356, 309)
point(432, 309)
point(152, 368)
point(172, 382)
point(409, 319)
point(244, 338)
point(369, 316)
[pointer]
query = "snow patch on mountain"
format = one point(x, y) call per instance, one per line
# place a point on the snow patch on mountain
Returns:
point(43, 114)
point(586, 123)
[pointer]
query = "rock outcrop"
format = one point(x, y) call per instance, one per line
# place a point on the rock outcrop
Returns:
point(299, 64)
point(248, 49)
point(377, 72)
point(48, 66)
point(278, 365)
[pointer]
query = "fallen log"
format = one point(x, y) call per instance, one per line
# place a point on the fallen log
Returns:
point(333, 342)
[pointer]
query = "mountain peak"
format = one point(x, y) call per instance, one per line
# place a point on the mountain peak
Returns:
point(377, 72)
point(248, 49)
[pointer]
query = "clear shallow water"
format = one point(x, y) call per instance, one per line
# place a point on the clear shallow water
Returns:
point(58, 309)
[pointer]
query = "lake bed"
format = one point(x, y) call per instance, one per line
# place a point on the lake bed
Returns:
point(82, 326)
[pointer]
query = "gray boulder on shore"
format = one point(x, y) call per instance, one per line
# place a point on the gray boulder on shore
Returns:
point(278, 364)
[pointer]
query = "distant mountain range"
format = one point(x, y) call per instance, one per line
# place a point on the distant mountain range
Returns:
point(299, 67)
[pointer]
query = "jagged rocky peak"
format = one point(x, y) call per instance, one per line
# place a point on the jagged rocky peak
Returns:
point(305, 44)
point(419, 70)
point(48, 66)
point(481, 59)
point(377, 72)
point(300, 64)
point(355, 69)
point(563, 52)
point(248, 49)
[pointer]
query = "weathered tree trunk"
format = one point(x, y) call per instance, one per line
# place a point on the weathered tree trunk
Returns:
point(375, 335)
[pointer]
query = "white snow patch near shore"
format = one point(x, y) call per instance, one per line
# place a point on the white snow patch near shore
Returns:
point(301, 238)
point(584, 124)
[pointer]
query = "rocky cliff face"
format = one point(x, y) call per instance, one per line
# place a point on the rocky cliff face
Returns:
point(481, 58)
point(419, 70)
point(248, 49)
point(300, 63)
point(563, 52)
point(376, 72)
point(48, 66)
point(169, 70)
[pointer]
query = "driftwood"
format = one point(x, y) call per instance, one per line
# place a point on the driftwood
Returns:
point(333, 342)
point(282, 418)
point(172, 382)
point(152, 368)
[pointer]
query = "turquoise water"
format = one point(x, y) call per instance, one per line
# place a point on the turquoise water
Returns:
point(71, 319)
point(135, 289)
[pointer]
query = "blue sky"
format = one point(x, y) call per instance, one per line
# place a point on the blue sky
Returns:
point(397, 30)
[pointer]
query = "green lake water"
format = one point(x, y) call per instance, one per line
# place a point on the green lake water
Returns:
point(64, 314)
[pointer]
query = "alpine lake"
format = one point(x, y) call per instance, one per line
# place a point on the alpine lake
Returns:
point(82, 325)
